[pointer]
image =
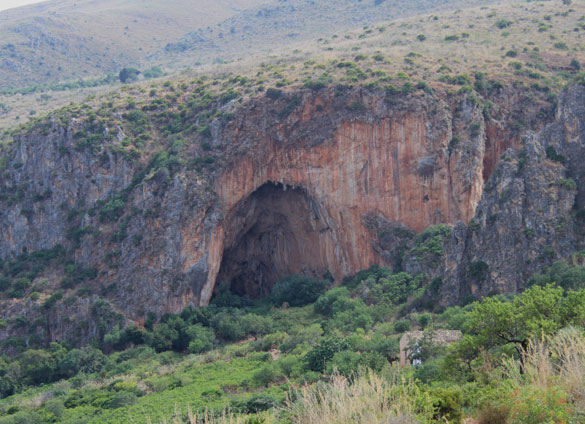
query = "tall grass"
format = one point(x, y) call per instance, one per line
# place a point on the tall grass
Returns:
point(558, 360)
point(548, 384)
point(369, 398)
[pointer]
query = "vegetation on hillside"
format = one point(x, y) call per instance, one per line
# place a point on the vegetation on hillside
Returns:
point(333, 356)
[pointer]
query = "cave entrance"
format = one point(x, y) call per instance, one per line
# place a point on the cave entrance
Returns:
point(273, 233)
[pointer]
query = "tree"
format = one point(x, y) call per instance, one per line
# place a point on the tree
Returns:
point(38, 366)
point(201, 338)
point(344, 362)
point(318, 357)
point(297, 290)
point(256, 325)
point(128, 75)
point(228, 327)
point(536, 312)
point(162, 337)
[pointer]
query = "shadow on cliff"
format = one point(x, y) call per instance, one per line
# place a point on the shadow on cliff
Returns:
point(272, 233)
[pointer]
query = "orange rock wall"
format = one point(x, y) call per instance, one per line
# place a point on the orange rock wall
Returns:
point(367, 167)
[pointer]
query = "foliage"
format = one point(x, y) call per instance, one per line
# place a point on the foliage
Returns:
point(297, 290)
point(190, 359)
point(318, 357)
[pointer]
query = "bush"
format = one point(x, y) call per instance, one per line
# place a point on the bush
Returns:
point(120, 400)
point(289, 365)
point(478, 270)
point(535, 405)
point(324, 304)
point(258, 403)
point(266, 375)
point(128, 75)
point(429, 371)
point(345, 363)
point(318, 357)
point(448, 405)
point(274, 93)
point(5, 283)
point(552, 154)
point(402, 326)
point(503, 23)
point(201, 338)
point(297, 290)
point(228, 327)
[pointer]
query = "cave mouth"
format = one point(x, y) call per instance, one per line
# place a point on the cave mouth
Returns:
point(273, 233)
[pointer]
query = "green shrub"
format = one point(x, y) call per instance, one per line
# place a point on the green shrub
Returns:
point(5, 283)
point(478, 270)
point(568, 183)
point(273, 93)
point(324, 304)
point(259, 402)
point(429, 371)
point(318, 357)
point(290, 365)
point(266, 375)
point(297, 290)
point(228, 327)
point(552, 154)
point(120, 400)
point(402, 326)
point(344, 362)
point(448, 405)
point(535, 405)
point(201, 338)
point(503, 23)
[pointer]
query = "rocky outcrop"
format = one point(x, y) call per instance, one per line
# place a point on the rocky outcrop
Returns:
point(303, 183)
point(531, 212)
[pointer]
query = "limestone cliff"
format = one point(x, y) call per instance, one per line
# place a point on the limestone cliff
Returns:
point(531, 212)
point(303, 181)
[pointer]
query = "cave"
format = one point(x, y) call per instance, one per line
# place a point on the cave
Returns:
point(273, 233)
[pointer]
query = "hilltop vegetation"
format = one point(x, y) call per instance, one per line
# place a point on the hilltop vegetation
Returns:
point(67, 40)
point(509, 43)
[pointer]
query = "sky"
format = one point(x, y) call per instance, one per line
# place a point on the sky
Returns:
point(9, 4)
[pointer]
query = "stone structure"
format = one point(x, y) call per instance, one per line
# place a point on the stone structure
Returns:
point(435, 337)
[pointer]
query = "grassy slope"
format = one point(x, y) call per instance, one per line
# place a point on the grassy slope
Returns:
point(536, 34)
point(270, 28)
point(74, 39)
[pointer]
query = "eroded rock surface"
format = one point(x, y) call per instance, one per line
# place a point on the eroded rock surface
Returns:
point(303, 183)
point(531, 212)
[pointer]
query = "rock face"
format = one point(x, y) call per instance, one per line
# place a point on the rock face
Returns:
point(531, 212)
point(304, 183)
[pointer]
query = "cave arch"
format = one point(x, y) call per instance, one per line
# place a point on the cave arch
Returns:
point(276, 231)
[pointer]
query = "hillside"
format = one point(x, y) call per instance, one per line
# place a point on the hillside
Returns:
point(268, 29)
point(202, 162)
point(262, 236)
point(66, 39)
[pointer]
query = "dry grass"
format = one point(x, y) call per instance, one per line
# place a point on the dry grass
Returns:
point(558, 360)
point(552, 363)
point(369, 399)
point(391, 48)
